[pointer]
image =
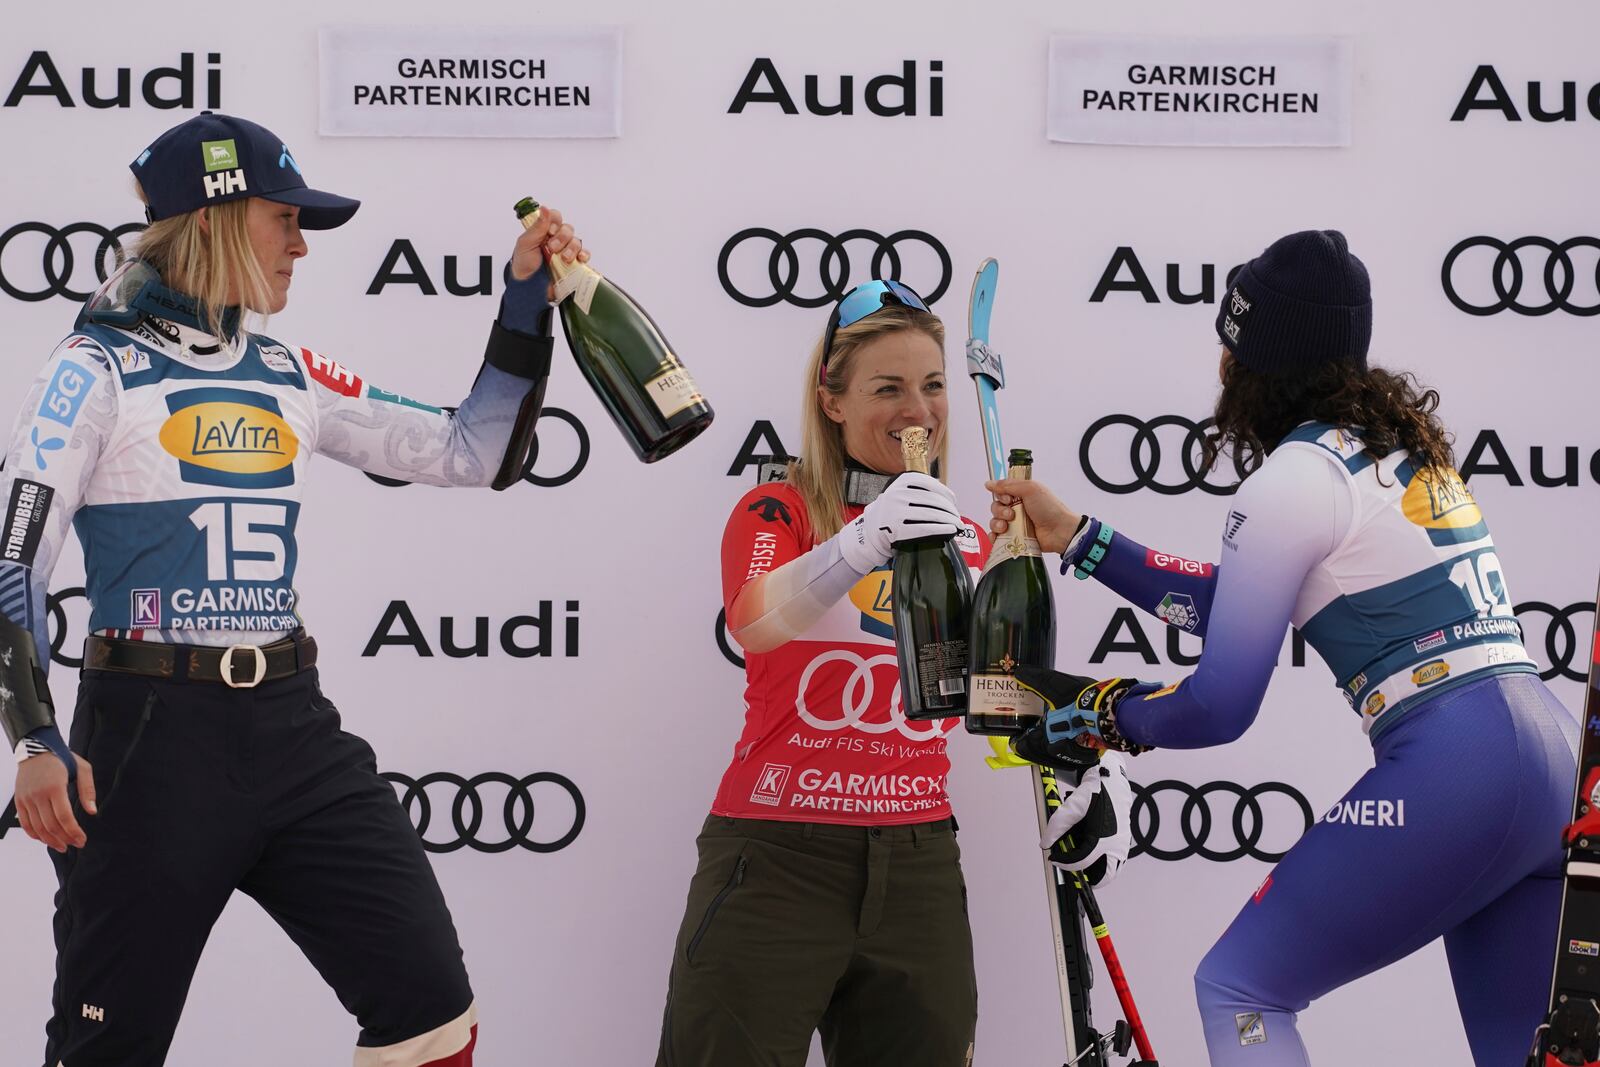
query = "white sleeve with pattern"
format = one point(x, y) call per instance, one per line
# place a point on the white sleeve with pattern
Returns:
point(393, 436)
point(66, 420)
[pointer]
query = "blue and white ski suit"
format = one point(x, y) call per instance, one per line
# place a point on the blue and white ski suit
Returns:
point(1391, 575)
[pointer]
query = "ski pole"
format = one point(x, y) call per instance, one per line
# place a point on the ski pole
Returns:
point(1097, 924)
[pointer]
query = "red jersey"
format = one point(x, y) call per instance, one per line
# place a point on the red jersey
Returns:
point(825, 739)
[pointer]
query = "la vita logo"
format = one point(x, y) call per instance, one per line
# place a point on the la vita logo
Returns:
point(230, 437)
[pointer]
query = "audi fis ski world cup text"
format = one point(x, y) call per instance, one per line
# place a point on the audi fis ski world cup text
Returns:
point(44, 77)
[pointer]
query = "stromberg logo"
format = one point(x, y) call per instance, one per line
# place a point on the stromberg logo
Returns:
point(1487, 92)
point(165, 88)
point(229, 437)
point(888, 95)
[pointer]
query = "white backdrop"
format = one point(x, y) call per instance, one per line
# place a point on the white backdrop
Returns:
point(569, 949)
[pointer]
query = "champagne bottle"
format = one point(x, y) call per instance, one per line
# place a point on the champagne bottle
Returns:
point(640, 381)
point(930, 597)
point(1013, 622)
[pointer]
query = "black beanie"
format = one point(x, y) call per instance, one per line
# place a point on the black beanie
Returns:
point(1303, 302)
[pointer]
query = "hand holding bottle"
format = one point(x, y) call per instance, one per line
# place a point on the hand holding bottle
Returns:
point(1051, 522)
point(913, 507)
point(549, 235)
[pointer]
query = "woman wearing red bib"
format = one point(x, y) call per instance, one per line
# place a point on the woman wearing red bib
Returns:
point(829, 896)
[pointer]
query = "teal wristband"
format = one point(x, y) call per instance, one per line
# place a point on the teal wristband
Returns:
point(1096, 553)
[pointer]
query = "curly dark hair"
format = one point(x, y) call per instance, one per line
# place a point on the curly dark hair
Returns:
point(1386, 410)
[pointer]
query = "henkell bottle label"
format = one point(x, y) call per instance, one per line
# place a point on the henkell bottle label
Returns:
point(673, 390)
point(994, 693)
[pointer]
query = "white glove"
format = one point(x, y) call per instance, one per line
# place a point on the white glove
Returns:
point(1098, 812)
point(915, 505)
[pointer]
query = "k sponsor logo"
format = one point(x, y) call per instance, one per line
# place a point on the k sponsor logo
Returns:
point(39, 260)
point(813, 268)
point(145, 608)
point(770, 783)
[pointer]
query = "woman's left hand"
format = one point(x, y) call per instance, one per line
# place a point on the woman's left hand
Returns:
point(551, 235)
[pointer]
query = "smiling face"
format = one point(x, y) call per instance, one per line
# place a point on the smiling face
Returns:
point(273, 230)
point(896, 380)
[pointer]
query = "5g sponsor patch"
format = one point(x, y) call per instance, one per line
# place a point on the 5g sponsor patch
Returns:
point(65, 394)
point(30, 503)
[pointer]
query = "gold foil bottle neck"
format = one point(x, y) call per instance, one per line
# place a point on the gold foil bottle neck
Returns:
point(914, 448)
point(528, 212)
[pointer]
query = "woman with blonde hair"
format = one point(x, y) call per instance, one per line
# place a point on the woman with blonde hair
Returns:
point(828, 894)
point(204, 757)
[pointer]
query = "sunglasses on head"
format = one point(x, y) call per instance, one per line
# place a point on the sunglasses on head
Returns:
point(858, 303)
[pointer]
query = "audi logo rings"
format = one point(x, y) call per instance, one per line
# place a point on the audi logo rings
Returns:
point(55, 604)
point(1145, 454)
point(1561, 277)
point(833, 264)
point(1239, 836)
point(1562, 643)
point(59, 262)
point(466, 809)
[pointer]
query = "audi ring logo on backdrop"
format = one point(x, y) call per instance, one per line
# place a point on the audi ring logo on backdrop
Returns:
point(529, 475)
point(1564, 645)
point(788, 271)
point(465, 802)
point(60, 270)
point(1220, 836)
point(1558, 284)
point(1144, 462)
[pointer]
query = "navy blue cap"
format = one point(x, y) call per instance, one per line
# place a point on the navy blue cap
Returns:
point(1304, 302)
point(213, 158)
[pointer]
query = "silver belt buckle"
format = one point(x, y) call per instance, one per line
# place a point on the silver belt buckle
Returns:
point(227, 666)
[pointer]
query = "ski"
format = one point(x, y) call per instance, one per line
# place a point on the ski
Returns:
point(1570, 1034)
point(1074, 974)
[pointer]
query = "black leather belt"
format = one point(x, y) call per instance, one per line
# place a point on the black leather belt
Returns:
point(236, 666)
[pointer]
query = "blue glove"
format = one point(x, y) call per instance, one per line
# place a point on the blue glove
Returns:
point(525, 305)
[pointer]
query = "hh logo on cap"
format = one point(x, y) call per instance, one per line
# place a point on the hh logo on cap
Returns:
point(223, 175)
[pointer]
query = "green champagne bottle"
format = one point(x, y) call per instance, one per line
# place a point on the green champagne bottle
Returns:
point(930, 599)
point(1013, 622)
point(639, 379)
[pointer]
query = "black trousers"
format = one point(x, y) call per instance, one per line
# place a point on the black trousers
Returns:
point(858, 932)
point(202, 790)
